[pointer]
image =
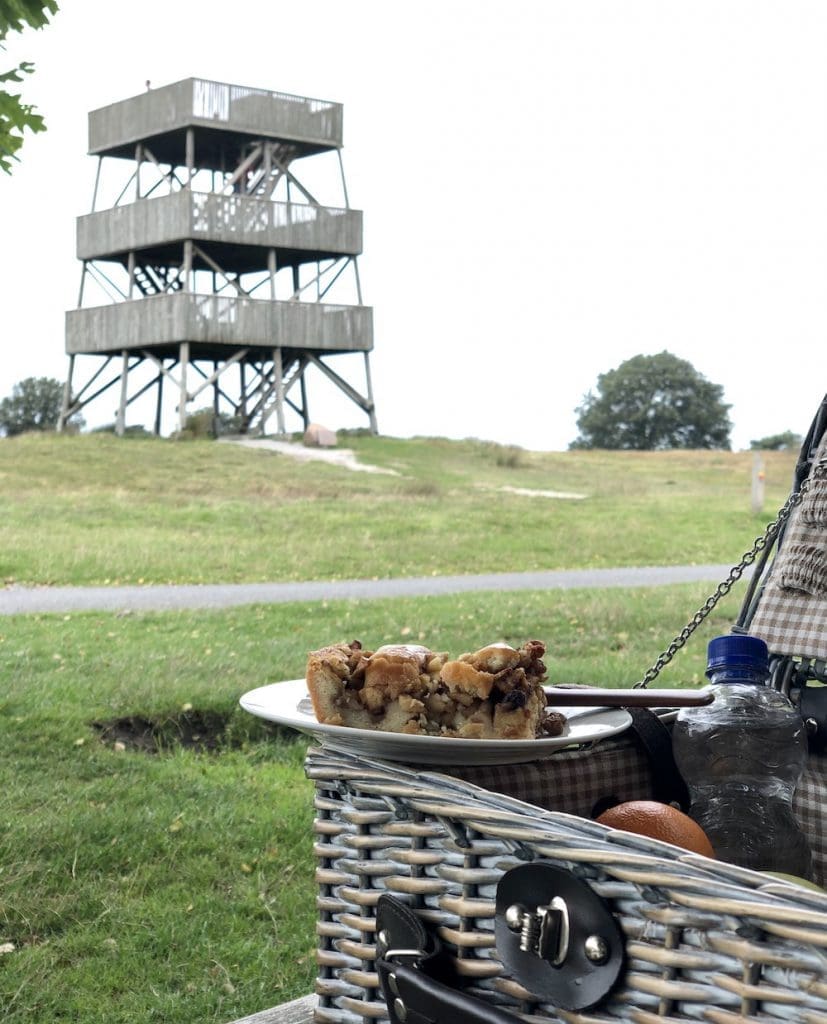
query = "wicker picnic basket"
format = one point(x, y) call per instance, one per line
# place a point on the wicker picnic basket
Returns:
point(703, 940)
point(681, 937)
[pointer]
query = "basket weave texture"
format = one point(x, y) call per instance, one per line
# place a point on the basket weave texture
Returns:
point(704, 940)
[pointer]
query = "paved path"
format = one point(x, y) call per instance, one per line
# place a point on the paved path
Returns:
point(16, 600)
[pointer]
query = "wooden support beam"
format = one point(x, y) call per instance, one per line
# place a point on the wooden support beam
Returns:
point(159, 405)
point(139, 159)
point(105, 282)
point(120, 419)
point(296, 409)
point(320, 272)
point(342, 175)
point(295, 181)
point(277, 370)
point(77, 405)
point(344, 262)
point(184, 359)
point(83, 273)
point(218, 269)
point(371, 406)
point(189, 247)
point(355, 263)
point(141, 391)
point(93, 378)
point(125, 189)
point(243, 167)
point(241, 408)
point(164, 371)
point(218, 370)
point(97, 183)
point(251, 289)
point(170, 176)
point(204, 376)
point(271, 271)
point(340, 382)
point(190, 156)
point(67, 395)
point(305, 413)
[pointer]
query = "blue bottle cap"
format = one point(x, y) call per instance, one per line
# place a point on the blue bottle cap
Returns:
point(737, 651)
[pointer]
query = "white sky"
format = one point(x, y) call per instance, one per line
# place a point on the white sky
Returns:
point(549, 187)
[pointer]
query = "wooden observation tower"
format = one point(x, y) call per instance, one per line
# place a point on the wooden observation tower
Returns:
point(217, 274)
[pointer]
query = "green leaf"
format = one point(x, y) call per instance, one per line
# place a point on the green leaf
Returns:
point(15, 15)
point(15, 115)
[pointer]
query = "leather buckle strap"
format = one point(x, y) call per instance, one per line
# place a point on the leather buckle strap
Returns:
point(413, 997)
point(408, 964)
point(554, 936)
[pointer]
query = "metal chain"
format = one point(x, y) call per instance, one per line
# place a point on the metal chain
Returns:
point(724, 587)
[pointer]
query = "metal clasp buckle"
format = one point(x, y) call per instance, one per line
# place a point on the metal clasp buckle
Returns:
point(544, 931)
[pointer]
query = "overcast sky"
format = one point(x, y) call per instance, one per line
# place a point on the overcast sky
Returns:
point(548, 188)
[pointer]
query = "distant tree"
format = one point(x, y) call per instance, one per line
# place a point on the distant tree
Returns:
point(778, 442)
point(34, 404)
point(653, 403)
point(15, 115)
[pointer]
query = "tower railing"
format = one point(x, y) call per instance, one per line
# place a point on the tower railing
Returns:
point(221, 218)
point(168, 319)
point(197, 101)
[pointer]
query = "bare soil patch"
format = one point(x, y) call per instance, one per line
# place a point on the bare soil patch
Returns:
point(197, 730)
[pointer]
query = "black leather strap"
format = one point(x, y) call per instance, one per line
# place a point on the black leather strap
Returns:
point(413, 997)
point(409, 965)
point(656, 740)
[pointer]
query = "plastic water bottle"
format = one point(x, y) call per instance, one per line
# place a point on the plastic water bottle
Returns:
point(741, 757)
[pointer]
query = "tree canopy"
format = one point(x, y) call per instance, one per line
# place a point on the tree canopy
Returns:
point(34, 404)
point(653, 403)
point(777, 442)
point(15, 115)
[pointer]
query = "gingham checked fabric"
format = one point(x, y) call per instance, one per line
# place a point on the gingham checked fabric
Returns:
point(572, 780)
point(576, 780)
point(792, 612)
point(810, 805)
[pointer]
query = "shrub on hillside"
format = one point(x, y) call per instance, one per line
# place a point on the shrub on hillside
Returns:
point(34, 404)
point(206, 423)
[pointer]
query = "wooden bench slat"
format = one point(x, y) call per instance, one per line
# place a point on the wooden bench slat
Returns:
point(298, 1011)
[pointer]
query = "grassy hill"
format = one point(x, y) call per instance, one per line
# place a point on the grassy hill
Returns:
point(94, 509)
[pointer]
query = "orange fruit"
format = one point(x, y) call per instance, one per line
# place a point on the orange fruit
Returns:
point(658, 821)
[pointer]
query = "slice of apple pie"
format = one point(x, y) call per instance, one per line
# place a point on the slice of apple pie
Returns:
point(492, 693)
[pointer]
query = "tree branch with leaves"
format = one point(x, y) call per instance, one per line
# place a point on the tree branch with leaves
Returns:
point(15, 115)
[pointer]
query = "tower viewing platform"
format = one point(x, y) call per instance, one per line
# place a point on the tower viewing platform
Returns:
point(216, 253)
point(230, 227)
point(223, 115)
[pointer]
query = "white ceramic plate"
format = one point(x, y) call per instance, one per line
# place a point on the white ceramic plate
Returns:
point(287, 704)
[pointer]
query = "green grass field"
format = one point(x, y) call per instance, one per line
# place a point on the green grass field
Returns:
point(177, 885)
point(97, 510)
